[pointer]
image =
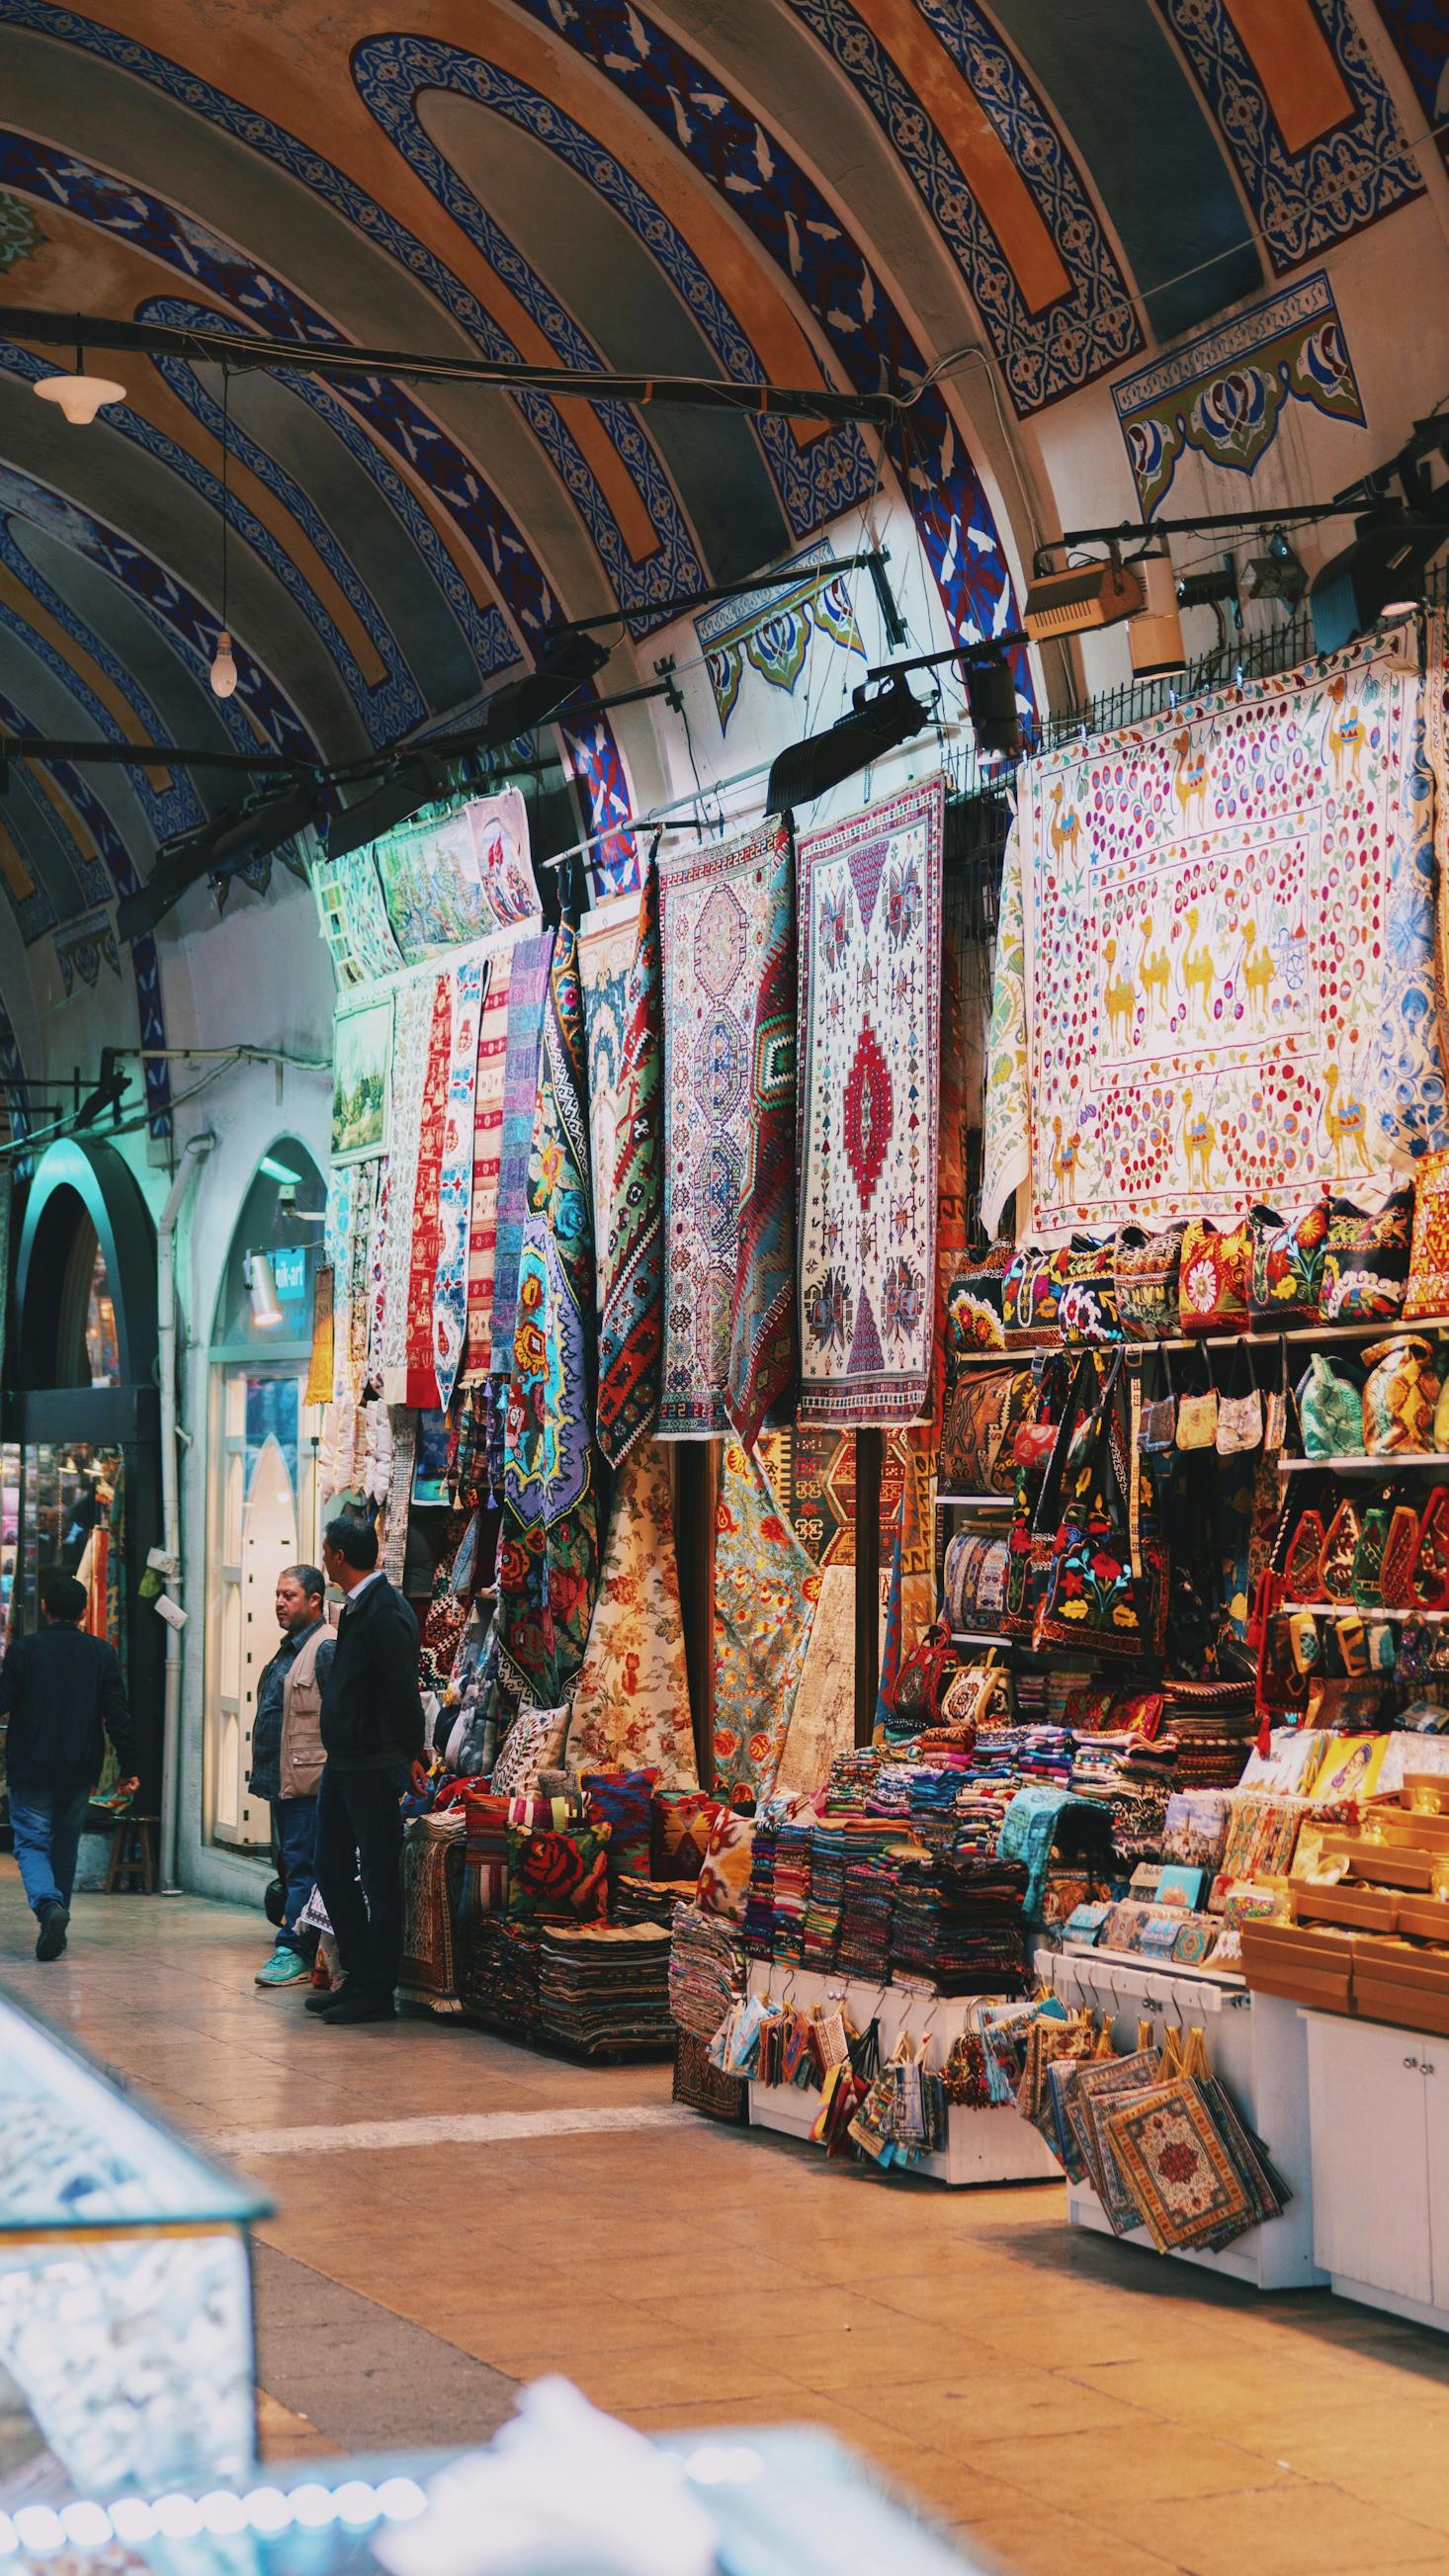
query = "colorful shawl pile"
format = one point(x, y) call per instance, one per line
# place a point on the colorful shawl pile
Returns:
point(632, 1703)
point(549, 1555)
point(719, 925)
point(764, 1357)
point(765, 1591)
point(487, 1144)
point(455, 1177)
point(626, 1073)
point(527, 989)
point(870, 934)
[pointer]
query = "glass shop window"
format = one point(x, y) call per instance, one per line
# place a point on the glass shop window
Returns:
point(88, 1349)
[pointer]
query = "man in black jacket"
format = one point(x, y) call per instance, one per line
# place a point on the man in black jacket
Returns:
point(372, 1732)
point(63, 1694)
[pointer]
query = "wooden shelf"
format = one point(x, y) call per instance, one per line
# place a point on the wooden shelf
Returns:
point(1357, 1463)
point(976, 1502)
point(1359, 1610)
point(1432, 1327)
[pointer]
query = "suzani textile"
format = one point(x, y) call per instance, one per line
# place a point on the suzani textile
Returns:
point(487, 1146)
point(719, 911)
point(549, 1556)
point(632, 1703)
point(765, 1592)
point(455, 1177)
point(870, 943)
point(1215, 978)
point(527, 989)
point(623, 1005)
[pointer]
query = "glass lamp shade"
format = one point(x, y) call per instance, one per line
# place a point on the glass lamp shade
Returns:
point(80, 397)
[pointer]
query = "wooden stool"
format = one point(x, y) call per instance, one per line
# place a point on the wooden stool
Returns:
point(132, 1866)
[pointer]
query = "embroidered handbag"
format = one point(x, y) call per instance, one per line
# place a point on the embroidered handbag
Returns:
point(974, 1579)
point(1400, 1549)
point(1029, 1548)
point(1366, 1573)
point(1429, 1582)
point(1212, 1282)
point(1287, 1269)
point(973, 1303)
point(1400, 1395)
point(921, 1682)
point(974, 1431)
point(1428, 1289)
point(1330, 1410)
point(1197, 1413)
point(1304, 1557)
point(1335, 1566)
point(1107, 1588)
point(1087, 1312)
point(1031, 1292)
point(1366, 1260)
point(1145, 1267)
point(1240, 1412)
point(1157, 1423)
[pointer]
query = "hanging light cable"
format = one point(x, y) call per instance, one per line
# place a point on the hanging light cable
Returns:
point(223, 664)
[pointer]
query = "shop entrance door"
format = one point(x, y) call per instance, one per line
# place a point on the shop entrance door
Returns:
point(267, 1474)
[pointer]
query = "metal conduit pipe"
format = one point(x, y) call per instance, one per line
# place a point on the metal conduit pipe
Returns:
point(192, 1153)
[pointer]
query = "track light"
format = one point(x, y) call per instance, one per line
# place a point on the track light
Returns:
point(1155, 638)
point(1278, 574)
point(80, 396)
point(216, 848)
point(991, 703)
point(1384, 566)
point(1081, 599)
point(223, 667)
point(1209, 589)
point(563, 668)
point(109, 1093)
point(874, 726)
point(262, 1290)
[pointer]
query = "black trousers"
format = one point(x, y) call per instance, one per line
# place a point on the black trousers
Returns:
point(359, 1837)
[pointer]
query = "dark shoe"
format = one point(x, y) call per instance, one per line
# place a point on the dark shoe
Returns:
point(355, 2004)
point(325, 1999)
point(54, 1924)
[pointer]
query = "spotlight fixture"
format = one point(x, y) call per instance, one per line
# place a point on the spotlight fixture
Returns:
point(215, 848)
point(1081, 599)
point(1155, 638)
point(109, 1093)
point(1384, 566)
point(80, 396)
point(223, 667)
point(991, 703)
point(1209, 589)
point(402, 792)
point(873, 726)
point(563, 668)
point(1276, 575)
point(262, 1289)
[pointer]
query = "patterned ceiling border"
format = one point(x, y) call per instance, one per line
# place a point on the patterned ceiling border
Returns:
point(145, 962)
point(663, 573)
point(1344, 179)
point(1420, 32)
point(766, 189)
point(815, 483)
point(1042, 355)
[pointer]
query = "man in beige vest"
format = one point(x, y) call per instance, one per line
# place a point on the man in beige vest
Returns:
point(287, 1759)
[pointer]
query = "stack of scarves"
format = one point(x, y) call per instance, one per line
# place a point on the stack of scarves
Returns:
point(958, 1923)
point(604, 1986)
point(706, 1970)
point(867, 1904)
point(760, 1897)
point(793, 1849)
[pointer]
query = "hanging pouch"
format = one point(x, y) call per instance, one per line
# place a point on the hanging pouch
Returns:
point(1157, 1428)
point(1340, 1547)
point(1396, 1573)
point(1330, 1410)
point(1400, 1396)
point(1366, 1574)
point(1197, 1410)
point(1240, 1413)
point(1429, 1583)
point(1305, 1555)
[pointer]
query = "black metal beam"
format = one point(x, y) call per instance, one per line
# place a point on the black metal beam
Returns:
point(245, 349)
point(151, 755)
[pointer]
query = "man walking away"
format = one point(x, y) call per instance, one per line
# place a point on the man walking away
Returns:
point(287, 1758)
point(63, 1694)
point(372, 1729)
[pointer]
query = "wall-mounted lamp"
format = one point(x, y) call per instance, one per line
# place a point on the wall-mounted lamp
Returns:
point(262, 1289)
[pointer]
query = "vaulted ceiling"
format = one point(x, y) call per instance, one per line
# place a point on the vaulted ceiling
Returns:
point(836, 192)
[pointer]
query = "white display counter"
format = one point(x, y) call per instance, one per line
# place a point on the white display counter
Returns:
point(1257, 2044)
point(1378, 2100)
point(990, 2146)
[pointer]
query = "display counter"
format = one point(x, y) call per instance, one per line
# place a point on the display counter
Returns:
point(1378, 2108)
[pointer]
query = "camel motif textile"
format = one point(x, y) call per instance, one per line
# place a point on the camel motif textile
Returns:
point(1215, 972)
point(870, 949)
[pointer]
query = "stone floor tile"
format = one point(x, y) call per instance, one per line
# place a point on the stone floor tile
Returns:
point(1141, 2463)
point(1299, 2528)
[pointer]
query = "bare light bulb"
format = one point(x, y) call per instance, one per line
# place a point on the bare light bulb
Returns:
point(223, 667)
point(80, 397)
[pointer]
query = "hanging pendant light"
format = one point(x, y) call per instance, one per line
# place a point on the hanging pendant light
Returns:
point(80, 396)
point(223, 661)
point(223, 667)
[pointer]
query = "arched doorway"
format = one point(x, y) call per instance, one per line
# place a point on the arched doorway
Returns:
point(81, 1471)
point(263, 1483)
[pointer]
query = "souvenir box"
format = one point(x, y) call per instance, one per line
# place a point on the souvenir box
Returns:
point(1315, 1968)
point(126, 2348)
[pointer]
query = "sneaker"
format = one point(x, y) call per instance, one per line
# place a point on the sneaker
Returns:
point(355, 2004)
point(284, 1968)
point(54, 1924)
point(327, 2000)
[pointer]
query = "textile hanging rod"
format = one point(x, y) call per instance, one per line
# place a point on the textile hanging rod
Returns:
point(249, 349)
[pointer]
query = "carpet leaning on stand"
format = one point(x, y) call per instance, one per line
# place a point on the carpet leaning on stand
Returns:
point(632, 1702)
point(765, 1592)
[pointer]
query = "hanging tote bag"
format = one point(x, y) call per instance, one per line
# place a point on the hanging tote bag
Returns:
point(1366, 1260)
point(1287, 1269)
point(1428, 1289)
point(1400, 1396)
point(1106, 1590)
point(1145, 1268)
point(1197, 1410)
point(1213, 1277)
point(1240, 1411)
point(982, 1409)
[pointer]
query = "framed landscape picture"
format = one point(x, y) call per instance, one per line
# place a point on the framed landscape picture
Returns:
point(360, 1070)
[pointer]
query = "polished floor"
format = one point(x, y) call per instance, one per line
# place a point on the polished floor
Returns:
point(455, 2215)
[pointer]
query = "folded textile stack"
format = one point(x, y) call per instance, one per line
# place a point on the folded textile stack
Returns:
point(1214, 1728)
point(498, 1971)
point(851, 1779)
point(865, 1918)
point(605, 1985)
point(958, 1924)
point(793, 1853)
point(830, 1848)
point(706, 1970)
point(650, 1900)
point(760, 1899)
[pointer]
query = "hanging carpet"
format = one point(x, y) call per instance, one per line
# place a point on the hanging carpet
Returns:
point(527, 989)
point(623, 1005)
point(420, 1378)
point(455, 1175)
point(632, 1704)
point(457, 878)
point(765, 1591)
point(487, 1145)
point(764, 1359)
point(411, 1032)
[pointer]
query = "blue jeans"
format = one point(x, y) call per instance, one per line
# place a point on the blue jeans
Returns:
point(359, 1837)
point(46, 1817)
point(296, 1850)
